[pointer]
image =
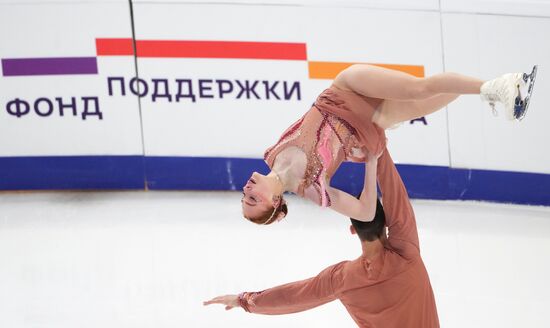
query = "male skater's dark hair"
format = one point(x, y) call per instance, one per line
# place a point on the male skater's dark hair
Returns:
point(370, 231)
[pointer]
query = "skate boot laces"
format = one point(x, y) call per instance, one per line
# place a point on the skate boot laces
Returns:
point(505, 90)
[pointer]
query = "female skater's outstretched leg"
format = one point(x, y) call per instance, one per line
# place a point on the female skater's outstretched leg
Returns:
point(405, 97)
point(377, 82)
point(436, 91)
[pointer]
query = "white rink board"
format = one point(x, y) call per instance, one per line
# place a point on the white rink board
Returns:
point(477, 139)
point(380, 4)
point(348, 31)
point(538, 8)
point(67, 30)
point(53, 2)
point(245, 128)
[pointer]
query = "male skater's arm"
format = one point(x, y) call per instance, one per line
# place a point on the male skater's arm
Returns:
point(289, 298)
point(400, 219)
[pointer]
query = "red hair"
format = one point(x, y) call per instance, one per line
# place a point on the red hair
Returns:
point(271, 215)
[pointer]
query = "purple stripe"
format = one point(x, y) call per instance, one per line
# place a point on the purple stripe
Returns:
point(49, 66)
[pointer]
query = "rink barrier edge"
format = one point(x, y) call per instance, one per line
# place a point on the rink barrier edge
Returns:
point(218, 173)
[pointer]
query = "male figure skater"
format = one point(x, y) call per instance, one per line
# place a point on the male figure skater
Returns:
point(387, 286)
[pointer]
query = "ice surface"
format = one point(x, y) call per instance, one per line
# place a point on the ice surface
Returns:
point(149, 259)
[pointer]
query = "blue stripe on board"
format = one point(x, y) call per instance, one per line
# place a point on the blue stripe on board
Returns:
point(199, 173)
point(71, 172)
point(422, 181)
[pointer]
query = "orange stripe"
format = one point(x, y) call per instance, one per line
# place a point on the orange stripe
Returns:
point(329, 70)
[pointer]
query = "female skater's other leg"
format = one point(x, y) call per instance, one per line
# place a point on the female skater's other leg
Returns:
point(392, 112)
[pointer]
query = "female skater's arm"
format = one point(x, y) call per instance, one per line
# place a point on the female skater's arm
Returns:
point(364, 208)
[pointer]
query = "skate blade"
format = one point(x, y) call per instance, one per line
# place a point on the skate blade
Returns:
point(522, 103)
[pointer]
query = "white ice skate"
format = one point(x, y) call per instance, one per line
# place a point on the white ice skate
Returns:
point(513, 91)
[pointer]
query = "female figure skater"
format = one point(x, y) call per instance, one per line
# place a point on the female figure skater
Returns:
point(347, 122)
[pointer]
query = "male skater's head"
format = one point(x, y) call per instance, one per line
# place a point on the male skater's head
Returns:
point(373, 230)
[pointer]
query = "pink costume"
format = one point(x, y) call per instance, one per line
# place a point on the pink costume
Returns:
point(389, 290)
point(337, 128)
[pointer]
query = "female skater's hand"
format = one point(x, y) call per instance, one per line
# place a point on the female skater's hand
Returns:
point(374, 157)
point(230, 301)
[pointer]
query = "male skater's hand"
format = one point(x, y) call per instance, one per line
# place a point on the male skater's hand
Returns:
point(230, 301)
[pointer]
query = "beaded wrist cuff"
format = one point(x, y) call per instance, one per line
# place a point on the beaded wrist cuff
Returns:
point(243, 302)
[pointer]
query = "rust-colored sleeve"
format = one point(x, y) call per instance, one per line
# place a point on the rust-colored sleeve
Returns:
point(400, 219)
point(293, 297)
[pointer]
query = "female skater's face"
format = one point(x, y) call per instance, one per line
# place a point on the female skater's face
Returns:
point(257, 197)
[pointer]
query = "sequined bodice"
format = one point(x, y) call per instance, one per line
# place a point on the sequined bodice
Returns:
point(326, 141)
point(337, 128)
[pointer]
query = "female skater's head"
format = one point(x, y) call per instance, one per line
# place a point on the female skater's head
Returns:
point(262, 201)
point(370, 231)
